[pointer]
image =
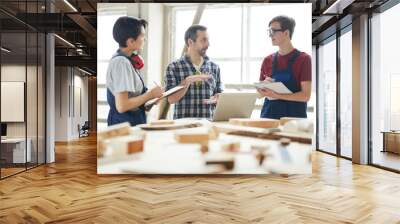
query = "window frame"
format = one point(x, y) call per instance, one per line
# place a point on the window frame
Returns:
point(245, 59)
point(117, 11)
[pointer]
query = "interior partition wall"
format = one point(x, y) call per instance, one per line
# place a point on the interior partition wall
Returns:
point(23, 89)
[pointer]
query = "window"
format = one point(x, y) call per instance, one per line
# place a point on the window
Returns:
point(385, 84)
point(238, 35)
point(106, 17)
point(327, 97)
point(346, 94)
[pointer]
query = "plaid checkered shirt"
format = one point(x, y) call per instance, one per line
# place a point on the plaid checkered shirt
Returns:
point(191, 105)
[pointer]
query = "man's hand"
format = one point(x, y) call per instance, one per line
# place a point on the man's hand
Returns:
point(195, 78)
point(186, 83)
point(212, 100)
point(268, 93)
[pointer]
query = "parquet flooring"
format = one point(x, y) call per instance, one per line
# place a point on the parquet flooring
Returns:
point(70, 191)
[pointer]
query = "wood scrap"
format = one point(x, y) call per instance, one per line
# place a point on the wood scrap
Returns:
point(230, 146)
point(285, 141)
point(174, 126)
point(258, 123)
point(300, 137)
point(162, 122)
point(193, 137)
point(272, 133)
point(101, 148)
point(213, 132)
point(260, 152)
point(114, 131)
point(284, 120)
point(126, 144)
point(220, 158)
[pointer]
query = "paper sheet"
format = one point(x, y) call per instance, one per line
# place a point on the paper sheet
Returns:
point(277, 87)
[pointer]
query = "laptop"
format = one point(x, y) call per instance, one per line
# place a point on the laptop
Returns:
point(234, 105)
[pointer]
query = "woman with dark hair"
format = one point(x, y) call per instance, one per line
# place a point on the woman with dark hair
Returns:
point(126, 90)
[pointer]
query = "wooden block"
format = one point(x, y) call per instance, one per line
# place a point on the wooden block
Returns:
point(301, 137)
point(115, 131)
point(392, 142)
point(213, 133)
point(259, 123)
point(174, 126)
point(162, 122)
point(260, 152)
point(204, 148)
point(135, 146)
point(126, 145)
point(260, 156)
point(285, 141)
point(220, 158)
point(192, 137)
point(284, 120)
point(233, 146)
point(101, 148)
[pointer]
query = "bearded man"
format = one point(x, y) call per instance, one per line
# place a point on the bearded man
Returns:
point(199, 76)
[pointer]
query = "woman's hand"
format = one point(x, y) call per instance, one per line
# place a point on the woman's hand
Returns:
point(156, 92)
point(268, 93)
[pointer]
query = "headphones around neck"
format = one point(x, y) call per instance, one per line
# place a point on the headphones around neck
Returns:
point(137, 61)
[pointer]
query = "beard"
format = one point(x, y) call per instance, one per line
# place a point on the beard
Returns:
point(203, 51)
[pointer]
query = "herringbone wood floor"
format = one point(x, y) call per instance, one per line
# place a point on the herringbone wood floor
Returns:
point(70, 191)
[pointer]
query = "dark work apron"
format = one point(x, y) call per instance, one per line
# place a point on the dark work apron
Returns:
point(282, 108)
point(133, 117)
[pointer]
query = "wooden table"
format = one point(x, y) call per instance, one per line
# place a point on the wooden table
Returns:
point(164, 155)
point(391, 141)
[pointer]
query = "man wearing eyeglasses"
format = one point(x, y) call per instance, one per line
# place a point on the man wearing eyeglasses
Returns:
point(289, 66)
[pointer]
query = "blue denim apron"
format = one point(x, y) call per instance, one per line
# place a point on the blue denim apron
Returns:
point(282, 108)
point(133, 117)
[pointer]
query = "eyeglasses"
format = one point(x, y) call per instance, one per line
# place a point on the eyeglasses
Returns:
point(272, 32)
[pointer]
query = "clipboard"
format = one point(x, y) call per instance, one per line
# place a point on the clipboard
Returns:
point(277, 87)
point(165, 94)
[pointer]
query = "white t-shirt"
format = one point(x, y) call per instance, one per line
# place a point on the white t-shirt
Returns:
point(197, 67)
point(122, 77)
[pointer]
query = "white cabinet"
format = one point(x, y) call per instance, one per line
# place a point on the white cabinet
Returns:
point(16, 148)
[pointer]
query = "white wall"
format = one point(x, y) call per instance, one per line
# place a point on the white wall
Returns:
point(15, 73)
point(153, 50)
point(67, 115)
point(33, 127)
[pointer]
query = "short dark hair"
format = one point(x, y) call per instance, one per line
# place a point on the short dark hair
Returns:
point(191, 32)
point(286, 23)
point(127, 27)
